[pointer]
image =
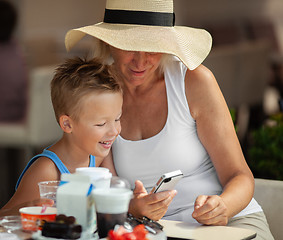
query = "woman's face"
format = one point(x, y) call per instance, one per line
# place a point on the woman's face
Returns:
point(136, 67)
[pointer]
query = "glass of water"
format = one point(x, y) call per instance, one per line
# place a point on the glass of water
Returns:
point(11, 223)
point(48, 189)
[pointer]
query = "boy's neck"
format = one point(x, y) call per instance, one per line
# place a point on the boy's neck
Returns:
point(70, 155)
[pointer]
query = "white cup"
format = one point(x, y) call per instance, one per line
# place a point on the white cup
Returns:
point(111, 206)
point(100, 177)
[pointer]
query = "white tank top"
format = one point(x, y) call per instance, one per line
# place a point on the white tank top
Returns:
point(176, 146)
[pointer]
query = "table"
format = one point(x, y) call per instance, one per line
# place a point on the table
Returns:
point(176, 229)
point(182, 230)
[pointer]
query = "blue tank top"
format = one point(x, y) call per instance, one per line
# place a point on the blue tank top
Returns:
point(51, 155)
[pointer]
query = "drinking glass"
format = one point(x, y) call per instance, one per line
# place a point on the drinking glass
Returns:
point(48, 189)
point(11, 223)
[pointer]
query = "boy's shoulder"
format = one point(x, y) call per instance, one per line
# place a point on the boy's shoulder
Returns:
point(44, 166)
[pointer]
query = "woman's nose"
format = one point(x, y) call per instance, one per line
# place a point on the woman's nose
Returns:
point(140, 59)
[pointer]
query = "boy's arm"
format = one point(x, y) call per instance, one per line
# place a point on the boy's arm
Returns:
point(43, 169)
point(107, 162)
point(37, 202)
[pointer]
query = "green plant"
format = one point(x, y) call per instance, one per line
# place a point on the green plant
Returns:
point(265, 154)
point(233, 116)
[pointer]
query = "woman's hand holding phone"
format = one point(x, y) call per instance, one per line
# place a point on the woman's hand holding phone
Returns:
point(153, 206)
point(167, 181)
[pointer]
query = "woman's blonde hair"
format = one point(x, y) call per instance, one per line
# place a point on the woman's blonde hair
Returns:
point(102, 51)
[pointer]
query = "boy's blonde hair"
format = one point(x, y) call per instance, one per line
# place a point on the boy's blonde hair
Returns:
point(76, 78)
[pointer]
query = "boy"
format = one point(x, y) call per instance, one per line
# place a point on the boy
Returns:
point(87, 102)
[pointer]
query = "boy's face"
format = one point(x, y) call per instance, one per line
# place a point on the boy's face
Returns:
point(98, 124)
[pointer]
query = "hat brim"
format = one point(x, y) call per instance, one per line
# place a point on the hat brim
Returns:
point(190, 45)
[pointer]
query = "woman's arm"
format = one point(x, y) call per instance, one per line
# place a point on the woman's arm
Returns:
point(217, 133)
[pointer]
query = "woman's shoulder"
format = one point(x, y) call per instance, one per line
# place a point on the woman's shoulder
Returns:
point(200, 75)
point(200, 80)
point(201, 88)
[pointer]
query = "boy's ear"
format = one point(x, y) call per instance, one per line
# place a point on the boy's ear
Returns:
point(65, 123)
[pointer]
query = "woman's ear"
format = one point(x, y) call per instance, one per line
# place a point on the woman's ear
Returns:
point(65, 123)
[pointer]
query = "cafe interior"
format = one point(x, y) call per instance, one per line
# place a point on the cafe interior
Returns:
point(246, 59)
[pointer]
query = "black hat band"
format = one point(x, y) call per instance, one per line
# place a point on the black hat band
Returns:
point(139, 18)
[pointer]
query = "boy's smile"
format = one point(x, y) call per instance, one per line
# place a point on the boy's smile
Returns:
point(99, 122)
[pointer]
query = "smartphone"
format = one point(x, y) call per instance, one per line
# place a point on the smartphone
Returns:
point(167, 181)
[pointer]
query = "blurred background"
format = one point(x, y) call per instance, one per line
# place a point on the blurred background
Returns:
point(246, 59)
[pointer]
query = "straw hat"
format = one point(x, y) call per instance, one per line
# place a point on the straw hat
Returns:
point(148, 26)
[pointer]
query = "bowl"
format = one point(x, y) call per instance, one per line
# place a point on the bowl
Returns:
point(34, 217)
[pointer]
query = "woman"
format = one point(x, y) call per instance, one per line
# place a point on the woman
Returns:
point(174, 117)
